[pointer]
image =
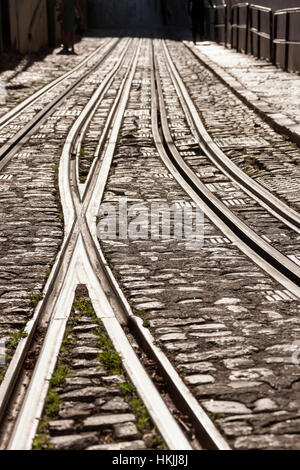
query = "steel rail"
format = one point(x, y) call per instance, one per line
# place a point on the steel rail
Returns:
point(58, 272)
point(274, 263)
point(207, 433)
point(221, 161)
point(260, 8)
point(75, 133)
point(273, 256)
point(264, 197)
point(7, 150)
point(287, 10)
point(51, 288)
point(4, 120)
point(86, 118)
point(83, 268)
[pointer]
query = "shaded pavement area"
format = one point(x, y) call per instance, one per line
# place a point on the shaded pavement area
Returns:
point(270, 91)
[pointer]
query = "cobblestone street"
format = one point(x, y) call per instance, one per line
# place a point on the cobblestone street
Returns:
point(91, 145)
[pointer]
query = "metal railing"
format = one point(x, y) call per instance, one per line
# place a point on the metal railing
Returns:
point(258, 25)
point(220, 22)
point(237, 26)
point(286, 41)
point(1, 32)
point(256, 12)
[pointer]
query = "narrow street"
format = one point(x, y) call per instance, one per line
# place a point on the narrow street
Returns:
point(150, 248)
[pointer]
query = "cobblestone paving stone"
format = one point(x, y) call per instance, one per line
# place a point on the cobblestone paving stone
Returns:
point(218, 317)
point(228, 328)
point(269, 84)
point(247, 209)
point(93, 132)
point(31, 228)
point(91, 404)
point(35, 71)
point(17, 123)
point(244, 137)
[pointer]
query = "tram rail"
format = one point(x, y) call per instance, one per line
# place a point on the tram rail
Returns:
point(81, 260)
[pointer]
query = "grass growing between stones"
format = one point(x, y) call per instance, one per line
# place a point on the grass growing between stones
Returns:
point(111, 361)
point(35, 298)
point(10, 347)
point(32, 299)
point(53, 401)
point(85, 162)
point(2, 374)
point(55, 169)
point(143, 315)
point(15, 338)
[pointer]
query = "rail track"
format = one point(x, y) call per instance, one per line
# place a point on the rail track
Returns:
point(83, 261)
point(37, 107)
point(238, 180)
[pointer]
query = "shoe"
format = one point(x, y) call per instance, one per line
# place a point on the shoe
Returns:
point(63, 52)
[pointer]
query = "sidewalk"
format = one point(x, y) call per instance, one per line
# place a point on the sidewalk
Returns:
point(271, 92)
point(22, 76)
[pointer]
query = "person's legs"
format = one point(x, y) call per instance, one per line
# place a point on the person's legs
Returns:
point(67, 40)
point(73, 34)
point(201, 26)
point(195, 26)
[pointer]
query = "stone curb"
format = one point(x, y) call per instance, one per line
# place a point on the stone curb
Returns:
point(280, 122)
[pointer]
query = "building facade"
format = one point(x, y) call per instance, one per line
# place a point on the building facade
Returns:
point(128, 13)
point(29, 25)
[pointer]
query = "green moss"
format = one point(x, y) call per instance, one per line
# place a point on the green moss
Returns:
point(11, 346)
point(84, 307)
point(15, 338)
point(138, 312)
point(112, 362)
point(141, 413)
point(60, 373)
point(47, 274)
point(126, 389)
point(215, 416)
point(146, 324)
point(52, 403)
point(40, 442)
point(35, 298)
point(2, 374)
point(220, 416)
point(157, 441)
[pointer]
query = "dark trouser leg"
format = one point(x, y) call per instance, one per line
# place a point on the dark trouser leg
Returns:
point(195, 27)
point(201, 27)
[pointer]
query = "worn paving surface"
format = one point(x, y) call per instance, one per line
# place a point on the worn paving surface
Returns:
point(218, 317)
point(21, 76)
point(227, 327)
point(268, 157)
point(31, 228)
point(230, 193)
point(91, 404)
point(274, 91)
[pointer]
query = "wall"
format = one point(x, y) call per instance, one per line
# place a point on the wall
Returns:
point(126, 13)
point(274, 4)
point(21, 15)
point(294, 50)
